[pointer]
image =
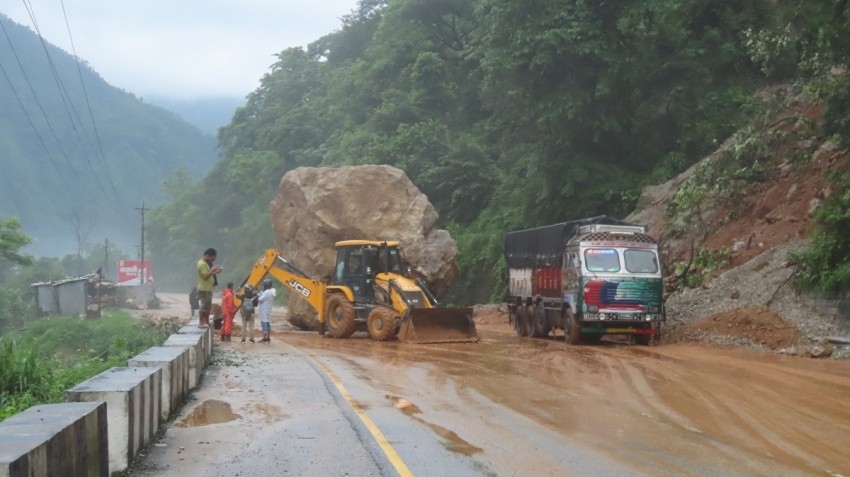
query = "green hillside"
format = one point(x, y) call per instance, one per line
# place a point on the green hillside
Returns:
point(79, 155)
point(506, 114)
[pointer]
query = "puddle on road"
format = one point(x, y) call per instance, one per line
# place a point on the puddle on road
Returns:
point(452, 441)
point(209, 412)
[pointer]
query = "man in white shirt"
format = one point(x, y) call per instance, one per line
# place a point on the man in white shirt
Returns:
point(266, 300)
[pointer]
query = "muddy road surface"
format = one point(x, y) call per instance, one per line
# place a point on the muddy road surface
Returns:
point(312, 405)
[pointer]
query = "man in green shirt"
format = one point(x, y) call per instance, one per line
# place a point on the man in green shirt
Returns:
point(206, 283)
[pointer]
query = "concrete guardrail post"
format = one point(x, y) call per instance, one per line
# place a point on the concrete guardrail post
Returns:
point(174, 362)
point(56, 440)
point(133, 398)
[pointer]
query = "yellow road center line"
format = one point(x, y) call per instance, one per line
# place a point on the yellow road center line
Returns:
point(382, 441)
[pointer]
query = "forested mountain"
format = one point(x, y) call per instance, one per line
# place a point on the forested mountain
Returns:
point(78, 154)
point(506, 114)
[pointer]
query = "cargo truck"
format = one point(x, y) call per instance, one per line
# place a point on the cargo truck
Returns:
point(590, 278)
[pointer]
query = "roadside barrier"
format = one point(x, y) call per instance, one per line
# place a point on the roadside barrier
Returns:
point(174, 362)
point(56, 439)
point(133, 398)
point(107, 419)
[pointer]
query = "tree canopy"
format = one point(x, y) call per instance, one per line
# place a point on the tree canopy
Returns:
point(505, 114)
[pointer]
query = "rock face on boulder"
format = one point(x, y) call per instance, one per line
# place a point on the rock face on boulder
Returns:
point(316, 207)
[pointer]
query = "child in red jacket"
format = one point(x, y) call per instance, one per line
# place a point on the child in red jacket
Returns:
point(228, 309)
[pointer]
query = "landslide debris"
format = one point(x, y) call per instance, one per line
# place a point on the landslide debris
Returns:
point(749, 204)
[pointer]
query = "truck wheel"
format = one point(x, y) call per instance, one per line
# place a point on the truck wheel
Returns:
point(529, 321)
point(519, 321)
point(381, 323)
point(541, 324)
point(572, 330)
point(340, 317)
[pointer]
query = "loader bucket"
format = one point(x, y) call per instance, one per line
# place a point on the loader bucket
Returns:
point(438, 325)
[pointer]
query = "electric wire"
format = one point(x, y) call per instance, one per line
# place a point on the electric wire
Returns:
point(68, 187)
point(66, 99)
point(41, 109)
point(89, 108)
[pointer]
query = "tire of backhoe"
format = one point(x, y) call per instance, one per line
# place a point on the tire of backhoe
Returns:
point(341, 318)
point(381, 323)
point(519, 321)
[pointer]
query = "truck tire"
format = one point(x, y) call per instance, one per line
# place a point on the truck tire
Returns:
point(340, 316)
point(529, 321)
point(542, 327)
point(519, 321)
point(572, 330)
point(643, 340)
point(381, 323)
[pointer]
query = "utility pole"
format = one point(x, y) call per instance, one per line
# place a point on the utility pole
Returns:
point(105, 254)
point(142, 210)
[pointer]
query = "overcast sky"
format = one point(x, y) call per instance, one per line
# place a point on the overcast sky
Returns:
point(181, 49)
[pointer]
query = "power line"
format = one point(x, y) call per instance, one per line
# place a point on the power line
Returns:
point(66, 100)
point(43, 113)
point(63, 94)
point(29, 118)
point(88, 104)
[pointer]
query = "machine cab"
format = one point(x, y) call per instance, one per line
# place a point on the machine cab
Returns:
point(358, 262)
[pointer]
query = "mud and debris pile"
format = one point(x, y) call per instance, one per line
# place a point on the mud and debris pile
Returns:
point(315, 207)
point(757, 234)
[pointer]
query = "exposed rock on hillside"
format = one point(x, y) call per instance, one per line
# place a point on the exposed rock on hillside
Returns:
point(316, 207)
point(750, 201)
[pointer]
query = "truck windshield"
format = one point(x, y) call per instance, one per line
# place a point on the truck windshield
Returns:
point(602, 260)
point(640, 261)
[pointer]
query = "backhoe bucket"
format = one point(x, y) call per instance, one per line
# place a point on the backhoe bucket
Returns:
point(438, 325)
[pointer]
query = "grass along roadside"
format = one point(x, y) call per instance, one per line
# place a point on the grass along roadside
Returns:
point(55, 353)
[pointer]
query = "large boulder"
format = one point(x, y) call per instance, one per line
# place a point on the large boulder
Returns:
point(316, 207)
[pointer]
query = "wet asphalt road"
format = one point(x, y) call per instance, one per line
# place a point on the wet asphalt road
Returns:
point(283, 410)
point(507, 406)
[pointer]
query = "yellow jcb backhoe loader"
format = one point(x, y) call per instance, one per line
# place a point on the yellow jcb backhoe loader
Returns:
point(371, 290)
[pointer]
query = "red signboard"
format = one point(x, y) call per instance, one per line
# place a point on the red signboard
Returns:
point(131, 272)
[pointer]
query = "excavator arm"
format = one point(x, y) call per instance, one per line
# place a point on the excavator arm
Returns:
point(272, 264)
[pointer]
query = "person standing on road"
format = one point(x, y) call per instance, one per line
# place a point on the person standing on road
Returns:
point(193, 301)
point(266, 300)
point(228, 309)
point(206, 282)
point(249, 305)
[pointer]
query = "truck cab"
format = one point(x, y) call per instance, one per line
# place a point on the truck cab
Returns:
point(614, 281)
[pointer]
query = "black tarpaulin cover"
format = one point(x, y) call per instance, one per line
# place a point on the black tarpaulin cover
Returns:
point(544, 246)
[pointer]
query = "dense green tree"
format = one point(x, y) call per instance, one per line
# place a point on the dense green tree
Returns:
point(505, 114)
point(11, 242)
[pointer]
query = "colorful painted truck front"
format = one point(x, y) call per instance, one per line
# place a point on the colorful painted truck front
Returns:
point(590, 278)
